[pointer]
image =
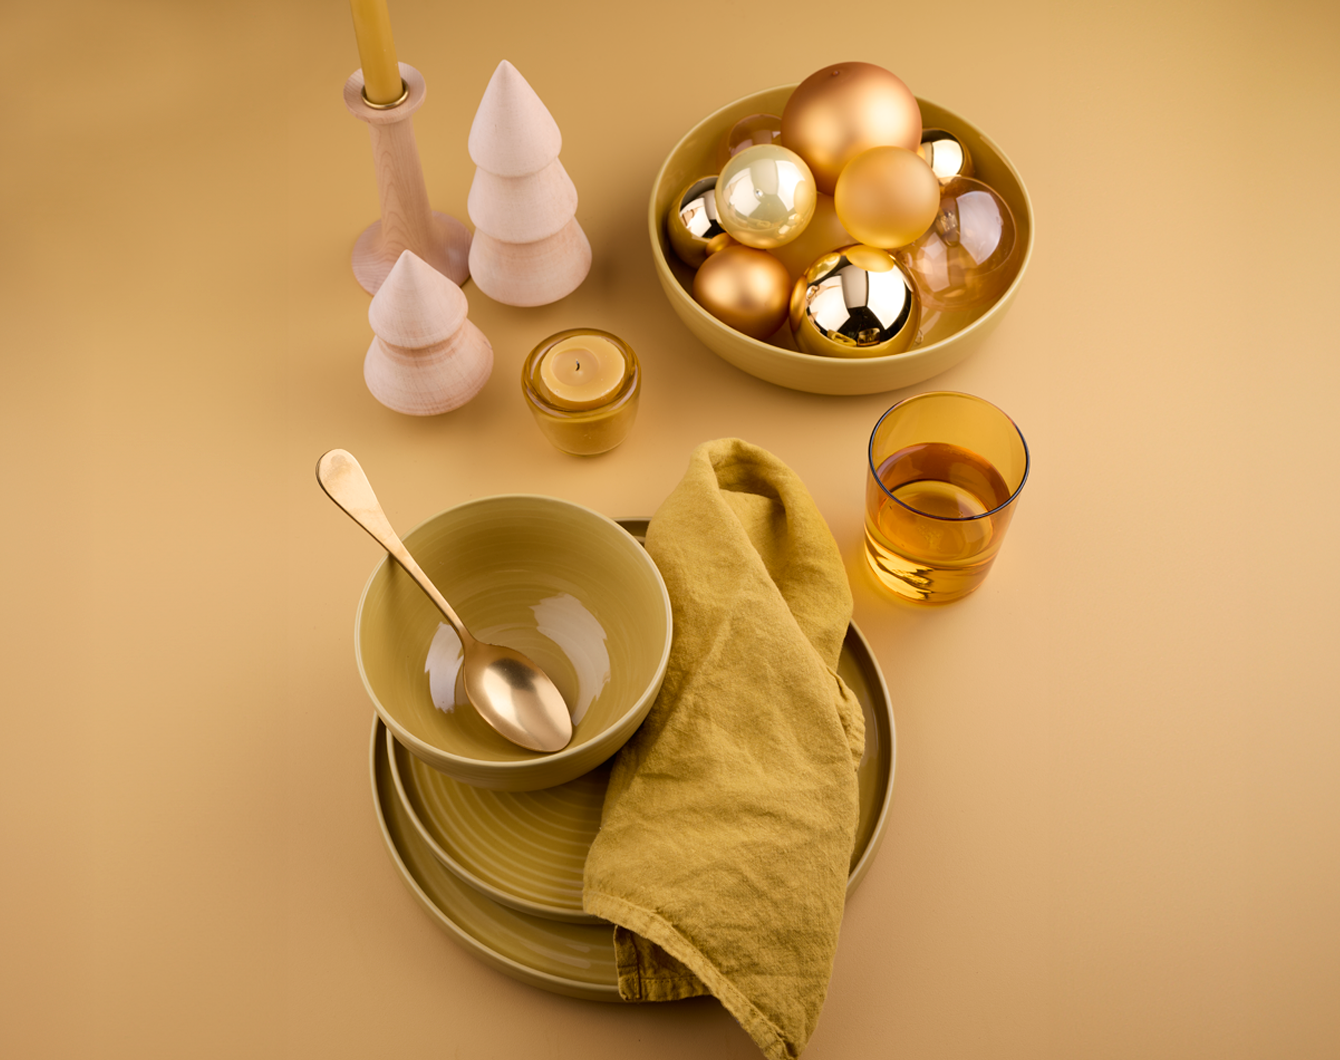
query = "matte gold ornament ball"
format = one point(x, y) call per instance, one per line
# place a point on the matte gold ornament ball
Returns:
point(765, 196)
point(840, 111)
point(823, 234)
point(887, 196)
point(855, 302)
point(746, 289)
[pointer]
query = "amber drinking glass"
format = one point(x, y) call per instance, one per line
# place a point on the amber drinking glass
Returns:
point(945, 472)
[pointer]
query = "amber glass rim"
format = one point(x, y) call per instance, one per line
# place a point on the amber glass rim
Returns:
point(628, 385)
point(870, 459)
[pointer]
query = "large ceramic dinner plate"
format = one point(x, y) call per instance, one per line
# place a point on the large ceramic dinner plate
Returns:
point(572, 959)
point(527, 849)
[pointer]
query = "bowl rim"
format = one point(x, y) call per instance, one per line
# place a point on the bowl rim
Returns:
point(538, 760)
point(855, 366)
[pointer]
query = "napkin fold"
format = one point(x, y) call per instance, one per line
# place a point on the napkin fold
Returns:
point(728, 826)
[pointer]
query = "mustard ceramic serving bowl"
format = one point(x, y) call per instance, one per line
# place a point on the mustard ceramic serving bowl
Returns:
point(948, 339)
point(563, 584)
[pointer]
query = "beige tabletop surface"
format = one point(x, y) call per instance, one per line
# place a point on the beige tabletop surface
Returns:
point(1116, 821)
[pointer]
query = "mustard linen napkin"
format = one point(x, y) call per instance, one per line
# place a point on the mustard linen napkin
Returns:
point(727, 830)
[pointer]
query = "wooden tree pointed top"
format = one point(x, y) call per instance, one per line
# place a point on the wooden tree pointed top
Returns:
point(513, 132)
point(416, 306)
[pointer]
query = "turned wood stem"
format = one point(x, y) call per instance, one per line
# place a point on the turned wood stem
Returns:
point(408, 221)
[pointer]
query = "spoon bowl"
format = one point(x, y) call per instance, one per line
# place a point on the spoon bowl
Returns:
point(510, 692)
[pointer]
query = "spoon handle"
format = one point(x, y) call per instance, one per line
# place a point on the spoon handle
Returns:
point(345, 483)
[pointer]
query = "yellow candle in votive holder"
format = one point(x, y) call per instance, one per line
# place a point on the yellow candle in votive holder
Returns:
point(376, 52)
point(582, 386)
point(581, 371)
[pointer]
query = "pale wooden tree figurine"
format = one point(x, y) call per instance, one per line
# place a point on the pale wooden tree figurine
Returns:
point(528, 248)
point(427, 357)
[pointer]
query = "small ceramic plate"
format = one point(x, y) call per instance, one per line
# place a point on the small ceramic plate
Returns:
point(527, 850)
point(572, 959)
point(566, 585)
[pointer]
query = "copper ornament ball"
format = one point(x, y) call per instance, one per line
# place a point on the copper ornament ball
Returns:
point(824, 233)
point(749, 131)
point(968, 256)
point(746, 289)
point(840, 111)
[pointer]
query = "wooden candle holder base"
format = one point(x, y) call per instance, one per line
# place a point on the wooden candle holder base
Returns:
point(408, 222)
point(447, 250)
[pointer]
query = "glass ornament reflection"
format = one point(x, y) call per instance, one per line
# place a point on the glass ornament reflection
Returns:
point(750, 131)
point(969, 255)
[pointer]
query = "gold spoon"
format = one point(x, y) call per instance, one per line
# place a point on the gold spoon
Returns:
point(510, 692)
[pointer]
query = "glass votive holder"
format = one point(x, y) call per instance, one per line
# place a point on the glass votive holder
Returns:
point(944, 474)
point(582, 386)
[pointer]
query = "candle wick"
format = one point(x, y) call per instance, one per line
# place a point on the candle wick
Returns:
point(579, 366)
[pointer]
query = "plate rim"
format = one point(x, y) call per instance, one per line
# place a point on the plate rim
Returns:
point(546, 980)
point(501, 962)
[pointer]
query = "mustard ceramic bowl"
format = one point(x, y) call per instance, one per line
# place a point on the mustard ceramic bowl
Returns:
point(946, 338)
point(563, 584)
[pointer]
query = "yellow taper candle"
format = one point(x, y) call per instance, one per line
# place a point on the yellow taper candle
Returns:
point(376, 51)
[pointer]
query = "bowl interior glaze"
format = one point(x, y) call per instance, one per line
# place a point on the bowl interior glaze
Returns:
point(563, 584)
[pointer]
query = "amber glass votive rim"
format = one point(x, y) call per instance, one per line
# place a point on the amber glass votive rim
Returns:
point(874, 472)
point(628, 386)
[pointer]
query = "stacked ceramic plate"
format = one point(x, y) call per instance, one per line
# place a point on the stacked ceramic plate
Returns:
point(501, 871)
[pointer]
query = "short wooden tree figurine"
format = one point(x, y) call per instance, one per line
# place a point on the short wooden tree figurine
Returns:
point(528, 248)
point(427, 357)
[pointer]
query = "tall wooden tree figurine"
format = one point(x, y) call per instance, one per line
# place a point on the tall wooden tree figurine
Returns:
point(427, 357)
point(528, 248)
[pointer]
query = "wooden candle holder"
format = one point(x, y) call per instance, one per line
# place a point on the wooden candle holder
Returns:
point(408, 222)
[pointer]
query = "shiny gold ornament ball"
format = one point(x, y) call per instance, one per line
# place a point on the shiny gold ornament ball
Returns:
point(746, 289)
point(692, 223)
point(840, 111)
point(855, 302)
point(945, 153)
point(765, 196)
point(887, 196)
